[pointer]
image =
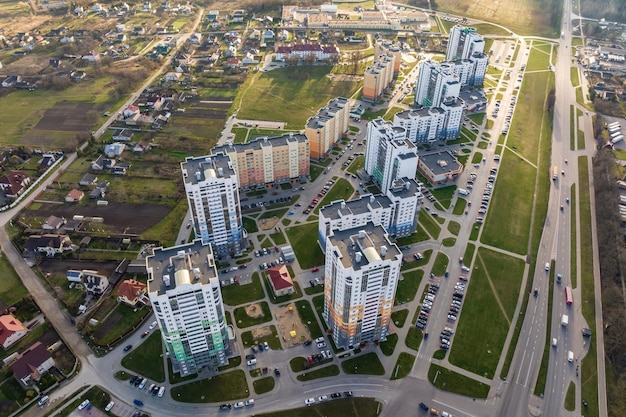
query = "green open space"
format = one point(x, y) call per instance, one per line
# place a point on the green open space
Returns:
point(341, 190)
point(222, 387)
point(574, 76)
point(540, 385)
point(147, 359)
point(388, 346)
point(491, 298)
point(420, 235)
point(125, 318)
point(297, 93)
point(459, 207)
point(429, 224)
point(303, 240)
point(441, 264)
point(450, 381)
point(399, 317)
point(166, 230)
point(344, 407)
point(11, 288)
point(356, 165)
point(573, 241)
point(236, 294)
point(539, 58)
point(243, 320)
point(570, 397)
point(413, 338)
point(444, 195)
point(263, 385)
point(307, 315)
point(367, 364)
point(408, 285)
point(272, 339)
point(403, 365)
point(325, 372)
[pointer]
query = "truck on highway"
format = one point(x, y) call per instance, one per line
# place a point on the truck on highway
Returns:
point(564, 320)
point(555, 173)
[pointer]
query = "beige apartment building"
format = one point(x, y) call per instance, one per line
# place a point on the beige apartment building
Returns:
point(386, 47)
point(378, 77)
point(327, 127)
point(269, 160)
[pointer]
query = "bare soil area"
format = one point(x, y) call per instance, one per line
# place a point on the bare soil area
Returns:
point(254, 310)
point(291, 329)
point(268, 224)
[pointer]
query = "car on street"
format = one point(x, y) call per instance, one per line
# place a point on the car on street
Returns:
point(83, 405)
point(152, 325)
point(127, 348)
point(323, 398)
point(347, 394)
point(144, 334)
point(225, 407)
point(109, 406)
point(309, 401)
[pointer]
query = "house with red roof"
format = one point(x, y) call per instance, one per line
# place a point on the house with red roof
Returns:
point(132, 292)
point(14, 183)
point(280, 280)
point(74, 196)
point(31, 364)
point(11, 330)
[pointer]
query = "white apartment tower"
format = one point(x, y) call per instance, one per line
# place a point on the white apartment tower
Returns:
point(185, 294)
point(463, 43)
point(361, 276)
point(436, 82)
point(213, 194)
point(389, 154)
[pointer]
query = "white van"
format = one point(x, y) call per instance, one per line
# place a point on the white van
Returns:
point(570, 356)
point(43, 401)
point(554, 342)
point(252, 362)
point(547, 266)
point(463, 192)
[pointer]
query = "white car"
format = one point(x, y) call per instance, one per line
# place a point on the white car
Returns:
point(239, 404)
point(319, 340)
point(83, 404)
point(323, 398)
point(321, 345)
point(309, 401)
point(153, 325)
point(250, 402)
point(251, 362)
point(109, 406)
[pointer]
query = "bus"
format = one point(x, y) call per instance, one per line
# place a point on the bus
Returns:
point(569, 298)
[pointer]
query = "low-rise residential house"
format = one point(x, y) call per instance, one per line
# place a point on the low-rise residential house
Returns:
point(154, 101)
point(233, 62)
point(31, 364)
point(88, 179)
point(11, 330)
point(49, 245)
point(141, 147)
point(74, 196)
point(248, 59)
point(14, 183)
point(195, 38)
point(130, 111)
point(173, 77)
point(123, 135)
point(139, 30)
point(132, 292)
point(102, 163)
point(121, 37)
point(280, 280)
point(305, 51)
point(67, 39)
point(11, 80)
point(114, 149)
point(147, 6)
point(120, 168)
point(46, 161)
point(238, 16)
point(95, 283)
point(78, 75)
point(55, 62)
point(73, 275)
point(268, 35)
point(53, 223)
point(92, 56)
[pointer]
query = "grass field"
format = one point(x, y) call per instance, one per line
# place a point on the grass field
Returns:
point(147, 359)
point(451, 381)
point(346, 407)
point(342, 189)
point(367, 364)
point(236, 294)
point(297, 93)
point(303, 239)
point(403, 365)
point(429, 224)
point(407, 286)
point(11, 288)
point(491, 298)
point(222, 387)
point(441, 264)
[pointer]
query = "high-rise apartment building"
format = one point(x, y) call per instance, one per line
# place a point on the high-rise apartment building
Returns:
point(270, 160)
point(389, 154)
point(386, 47)
point(463, 43)
point(185, 294)
point(362, 269)
point(328, 126)
point(213, 195)
point(436, 82)
point(397, 211)
point(378, 77)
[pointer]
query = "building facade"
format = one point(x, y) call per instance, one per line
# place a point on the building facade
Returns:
point(361, 276)
point(397, 211)
point(213, 195)
point(184, 290)
point(327, 127)
point(463, 43)
point(389, 154)
point(378, 77)
point(435, 83)
point(386, 47)
point(270, 160)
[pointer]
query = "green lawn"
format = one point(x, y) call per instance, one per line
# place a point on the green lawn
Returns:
point(420, 235)
point(451, 381)
point(272, 339)
point(356, 165)
point(454, 227)
point(495, 277)
point(367, 364)
point(388, 346)
point(147, 359)
point(250, 225)
point(11, 288)
point(344, 407)
point(459, 207)
point(308, 317)
point(166, 230)
point(441, 264)
point(570, 397)
point(223, 387)
point(341, 190)
point(444, 195)
point(263, 385)
point(413, 338)
point(399, 317)
point(303, 240)
point(129, 318)
point(236, 294)
point(429, 224)
point(297, 94)
point(332, 370)
point(407, 286)
point(403, 366)
point(243, 320)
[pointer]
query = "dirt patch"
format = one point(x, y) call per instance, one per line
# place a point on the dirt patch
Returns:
point(268, 224)
point(290, 328)
point(261, 332)
point(66, 116)
point(28, 65)
point(254, 310)
point(60, 267)
point(120, 217)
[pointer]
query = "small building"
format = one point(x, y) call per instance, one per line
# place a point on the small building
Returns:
point(114, 149)
point(74, 196)
point(280, 280)
point(102, 163)
point(120, 168)
point(132, 292)
point(53, 223)
point(288, 253)
point(94, 283)
point(11, 330)
point(439, 167)
point(73, 275)
point(14, 183)
point(46, 161)
point(123, 135)
point(141, 147)
point(31, 364)
point(88, 179)
point(48, 245)
point(172, 77)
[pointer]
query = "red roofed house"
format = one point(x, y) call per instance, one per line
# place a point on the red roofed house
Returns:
point(132, 292)
point(281, 281)
point(233, 62)
point(74, 196)
point(14, 183)
point(32, 364)
point(11, 330)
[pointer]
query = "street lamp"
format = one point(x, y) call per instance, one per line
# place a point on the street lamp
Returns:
point(436, 376)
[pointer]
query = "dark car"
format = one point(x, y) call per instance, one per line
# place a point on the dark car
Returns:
point(132, 379)
point(335, 395)
point(138, 403)
point(347, 394)
point(276, 372)
point(308, 343)
point(250, 356)
point(144, 334)
point(127, 348)
point(225, 407)
point(423, 406)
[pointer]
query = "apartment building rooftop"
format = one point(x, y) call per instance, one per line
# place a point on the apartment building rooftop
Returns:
point(199, 169)
point(361, 246)
point(192, 263)
point(340, 208)
point(404, 187)
point(440, 162)
point(260, 143)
